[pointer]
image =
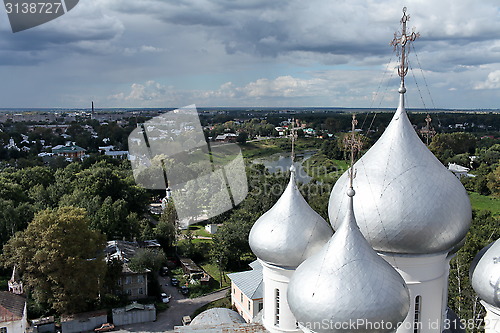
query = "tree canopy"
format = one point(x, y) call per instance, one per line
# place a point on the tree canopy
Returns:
point(60, 258)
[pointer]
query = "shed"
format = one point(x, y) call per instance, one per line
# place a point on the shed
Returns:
point(82, 322)
point(134, 313)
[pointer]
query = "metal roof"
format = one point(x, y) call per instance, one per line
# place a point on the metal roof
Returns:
point(290, 231)
point(249, 282)
point(407, 201)
point(347, 281)
point(485, 274)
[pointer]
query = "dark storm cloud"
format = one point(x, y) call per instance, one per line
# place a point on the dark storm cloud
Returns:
point(216, 49)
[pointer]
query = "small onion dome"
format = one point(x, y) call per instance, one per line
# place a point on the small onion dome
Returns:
point(409, 203)
point(348, 282)
point(217, 317)
point(290, 232)
point(485, 274)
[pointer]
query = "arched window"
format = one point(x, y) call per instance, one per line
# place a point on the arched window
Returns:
point(277, 314)
point(416, 319)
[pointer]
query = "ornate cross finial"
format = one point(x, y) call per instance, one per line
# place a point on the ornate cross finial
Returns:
point(401, 41)
point(354, 144)
point(292, 130)
point(428, 131)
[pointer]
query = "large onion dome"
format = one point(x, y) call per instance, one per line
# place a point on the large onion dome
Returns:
point(409, 203)
point(485, 274)
point(348, 282)
point(290, 231)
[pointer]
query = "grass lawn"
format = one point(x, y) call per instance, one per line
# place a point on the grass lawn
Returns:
point(269, 147)
point(199, 290)
point(198, 230)
point(261, 148)
point(485, 202)
point(323, 169)
point(213, 270)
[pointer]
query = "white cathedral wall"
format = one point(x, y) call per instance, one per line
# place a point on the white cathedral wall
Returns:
point(427, 277)
point(492, 318)
point(277, 278)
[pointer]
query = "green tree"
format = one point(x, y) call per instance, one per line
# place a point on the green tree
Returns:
point(446, 145)
point(148, 259)
point(461, 297)
point(60, 258)
point(167, 228)
point(494, 181)
point(242, 137)
point(114, 220)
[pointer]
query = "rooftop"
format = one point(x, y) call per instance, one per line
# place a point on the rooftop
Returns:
point(249, 282)
point(11, 306)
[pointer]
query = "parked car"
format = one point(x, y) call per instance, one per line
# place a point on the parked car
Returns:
point(104, 328)
point(164, 271)
point(184, 290)
point(165, 298)
point(186, 320)
point(174, 282)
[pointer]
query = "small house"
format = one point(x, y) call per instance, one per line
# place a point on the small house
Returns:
point(13, 313)
point(247, 291)
point(211, 228)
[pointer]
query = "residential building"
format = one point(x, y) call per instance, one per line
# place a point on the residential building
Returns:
point(211, 228)
point(247, 291)
point(70, 151)
point(13, 313)
point(132, 283)
point(228, 137)
point(459, 171)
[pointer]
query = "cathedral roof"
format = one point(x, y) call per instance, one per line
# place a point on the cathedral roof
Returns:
point(347, 281)
point(408, 202)
point(485, 274)
point(290, 231)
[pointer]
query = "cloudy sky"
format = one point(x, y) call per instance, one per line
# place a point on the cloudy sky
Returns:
point(171, 53)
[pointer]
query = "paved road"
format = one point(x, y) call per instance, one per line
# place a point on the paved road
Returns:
point(179, 306)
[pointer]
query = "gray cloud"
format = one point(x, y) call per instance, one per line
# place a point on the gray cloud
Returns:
point(195, 48)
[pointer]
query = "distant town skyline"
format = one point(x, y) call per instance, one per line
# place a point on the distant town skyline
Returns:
point(156, 53)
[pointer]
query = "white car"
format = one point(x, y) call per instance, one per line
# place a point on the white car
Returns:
point(165, 298)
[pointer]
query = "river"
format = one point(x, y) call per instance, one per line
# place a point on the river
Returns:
point(283, 161)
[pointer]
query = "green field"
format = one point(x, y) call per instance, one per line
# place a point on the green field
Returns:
point(323, 169)
point(269, 147)
point(484, 202)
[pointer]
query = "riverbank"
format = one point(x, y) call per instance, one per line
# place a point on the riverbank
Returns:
point(268, 147)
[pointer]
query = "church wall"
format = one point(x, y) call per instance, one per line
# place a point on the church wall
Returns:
point(492, 318)
point(277, 278)
point(427, 278)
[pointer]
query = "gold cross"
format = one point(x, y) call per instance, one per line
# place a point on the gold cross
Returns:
point(401, 41)
point(355, 144)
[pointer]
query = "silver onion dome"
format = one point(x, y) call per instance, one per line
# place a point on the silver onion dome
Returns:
point(290, 231)
point(485, 274)
point(408, 203)
point(348, 282)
